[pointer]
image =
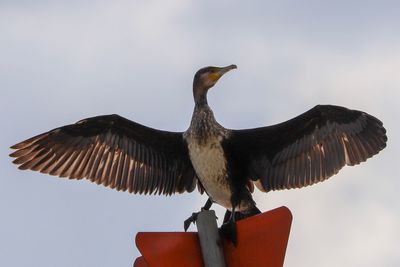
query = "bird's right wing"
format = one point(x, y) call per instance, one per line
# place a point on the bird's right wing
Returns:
point(112, 151)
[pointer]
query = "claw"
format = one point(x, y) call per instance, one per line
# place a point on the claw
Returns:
point(193, 218)
point(188, 221)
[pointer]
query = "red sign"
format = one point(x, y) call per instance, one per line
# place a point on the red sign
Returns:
point(261, 241)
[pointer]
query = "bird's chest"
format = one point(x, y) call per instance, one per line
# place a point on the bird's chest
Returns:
point(209, 162)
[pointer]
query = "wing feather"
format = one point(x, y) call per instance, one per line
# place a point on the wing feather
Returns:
point(309, 148)
point(112, 151)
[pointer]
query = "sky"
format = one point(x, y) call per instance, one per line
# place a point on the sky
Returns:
point(61, 61)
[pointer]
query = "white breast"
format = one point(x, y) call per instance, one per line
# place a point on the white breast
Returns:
point(210, 165)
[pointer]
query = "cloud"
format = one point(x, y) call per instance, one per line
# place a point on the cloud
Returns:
point(67, 60)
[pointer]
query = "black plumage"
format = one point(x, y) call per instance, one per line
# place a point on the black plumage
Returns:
point(112, 151)
point(226, 164)
point(309, 148)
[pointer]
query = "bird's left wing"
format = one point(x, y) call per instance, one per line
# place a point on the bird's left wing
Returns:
point(309, 148)
point(112, 151)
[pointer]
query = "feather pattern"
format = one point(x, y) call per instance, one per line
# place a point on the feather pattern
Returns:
point(112, 151)
point(309, 148)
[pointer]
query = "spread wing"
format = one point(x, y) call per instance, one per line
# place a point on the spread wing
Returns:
point(112, 151)
point(309, 148)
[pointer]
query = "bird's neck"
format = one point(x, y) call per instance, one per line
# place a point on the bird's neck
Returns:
point(203, 114)
point(200, 100)
point(199, 94)
point(203, 124)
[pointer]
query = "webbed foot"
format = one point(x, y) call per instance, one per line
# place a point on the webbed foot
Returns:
point(228, 231)
point(193, 218)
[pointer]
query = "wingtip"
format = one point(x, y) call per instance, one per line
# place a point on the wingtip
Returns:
point(24, 143)
point(22, 167)
point(29, 141)
point(17, 146)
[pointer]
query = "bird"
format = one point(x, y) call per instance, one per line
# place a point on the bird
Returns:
point(224, 163)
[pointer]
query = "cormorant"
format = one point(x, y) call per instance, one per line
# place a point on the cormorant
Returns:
point(225, 163)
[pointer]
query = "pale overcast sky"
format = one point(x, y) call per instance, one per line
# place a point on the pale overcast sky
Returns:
point(61, 61)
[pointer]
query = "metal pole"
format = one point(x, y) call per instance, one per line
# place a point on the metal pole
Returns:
point(210, 241)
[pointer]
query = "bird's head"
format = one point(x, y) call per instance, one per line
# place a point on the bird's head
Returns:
point(206, 78)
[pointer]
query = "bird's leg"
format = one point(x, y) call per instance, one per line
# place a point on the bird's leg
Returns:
point(228, 228)
point(193, 218)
